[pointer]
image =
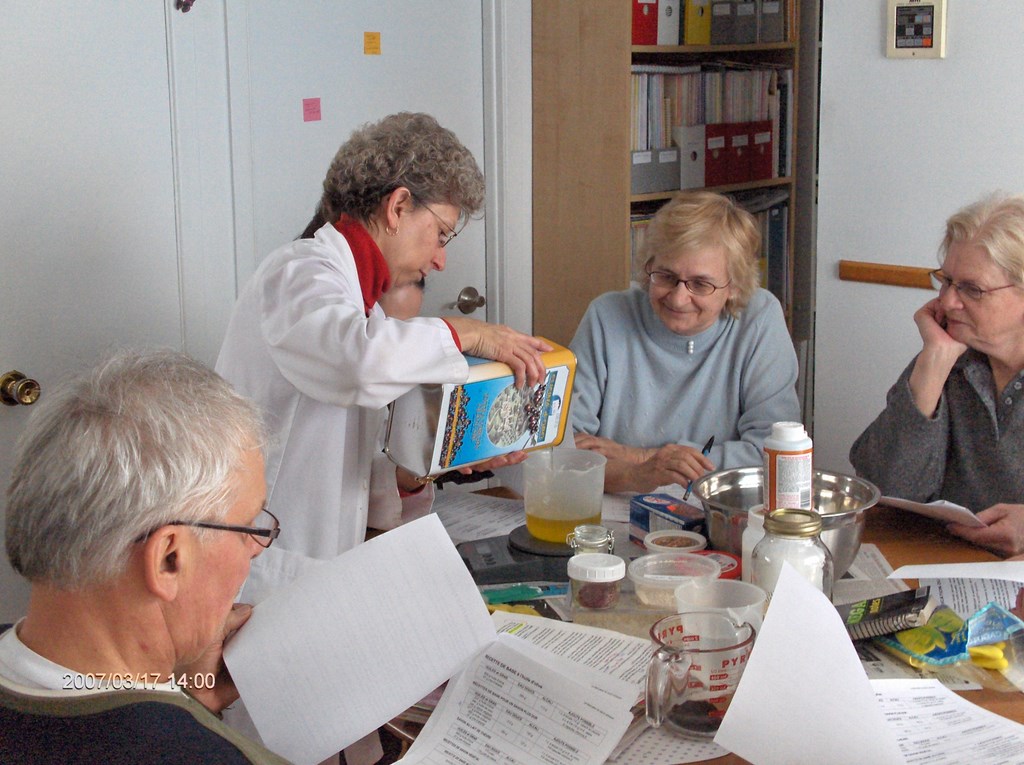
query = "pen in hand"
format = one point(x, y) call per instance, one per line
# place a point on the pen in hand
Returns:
point(705, 451)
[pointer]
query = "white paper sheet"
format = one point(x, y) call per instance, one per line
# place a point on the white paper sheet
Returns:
point(660, 746)
point(343, 649)
point(517, 703)
point(936, 726)
point(967, 596)
point(866, 577)
point(940, 510)
point(468, 516)
point(621, 656)
point(880, 665)
point(801, 659)
point(1009, 570)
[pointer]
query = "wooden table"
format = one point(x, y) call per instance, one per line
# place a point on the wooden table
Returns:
point(904, 539)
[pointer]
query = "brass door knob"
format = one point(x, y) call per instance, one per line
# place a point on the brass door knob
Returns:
point(469, 300)
point(16, 389)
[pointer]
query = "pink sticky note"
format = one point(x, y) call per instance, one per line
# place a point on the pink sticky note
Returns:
point(310, 109)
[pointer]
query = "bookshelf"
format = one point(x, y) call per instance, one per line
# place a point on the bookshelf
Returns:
point(582, 109)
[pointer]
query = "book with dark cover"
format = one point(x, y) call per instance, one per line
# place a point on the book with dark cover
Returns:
point(887, 613)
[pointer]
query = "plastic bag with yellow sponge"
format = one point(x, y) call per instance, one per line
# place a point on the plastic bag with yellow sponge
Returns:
point(941, 641)
point(995, 641)
point(985, 649)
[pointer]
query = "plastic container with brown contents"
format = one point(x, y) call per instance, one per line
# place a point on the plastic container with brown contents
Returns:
point(595, 579)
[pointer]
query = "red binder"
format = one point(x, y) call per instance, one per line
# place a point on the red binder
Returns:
point(645, 22)
point(738, 153)
point(761, 166)
point(716, 156)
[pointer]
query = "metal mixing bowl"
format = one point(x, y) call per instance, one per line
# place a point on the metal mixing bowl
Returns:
point(841, 499)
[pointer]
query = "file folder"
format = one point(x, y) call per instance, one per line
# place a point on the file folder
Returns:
point(762, 167)
point(744, 22)
point(653, 171)
point(722, 22)
point(668, 22)
point(697, 22)
point(690, 140)
point(645, 22)
point(771, 21)
point(738, 154)
point(716, 168)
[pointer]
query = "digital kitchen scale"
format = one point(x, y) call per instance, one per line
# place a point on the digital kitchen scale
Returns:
point(515, 557)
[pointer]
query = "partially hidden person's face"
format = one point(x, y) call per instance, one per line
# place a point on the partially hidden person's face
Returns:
point(679, 309)
point(403, 302)
point(224, 558)
point(419, 247)
point(994, 321)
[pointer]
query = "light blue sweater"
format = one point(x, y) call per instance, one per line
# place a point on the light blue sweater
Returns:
point(637, 384)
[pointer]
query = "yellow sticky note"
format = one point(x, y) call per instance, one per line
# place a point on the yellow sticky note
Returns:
point(371, 43)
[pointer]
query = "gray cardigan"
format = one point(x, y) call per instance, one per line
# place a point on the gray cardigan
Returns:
point(971, 452)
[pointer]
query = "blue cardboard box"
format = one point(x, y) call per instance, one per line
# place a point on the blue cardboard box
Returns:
point(655, 512)
point(436, 428)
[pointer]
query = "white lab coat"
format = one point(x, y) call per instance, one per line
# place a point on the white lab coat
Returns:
point(300, 345)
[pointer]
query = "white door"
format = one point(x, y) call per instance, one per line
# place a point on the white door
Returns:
point(350, 62)
point(87, 213)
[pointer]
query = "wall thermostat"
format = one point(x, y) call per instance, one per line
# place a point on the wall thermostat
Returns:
point(916, 29)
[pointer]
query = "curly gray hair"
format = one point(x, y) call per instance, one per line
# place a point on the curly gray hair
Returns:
point(405, 149)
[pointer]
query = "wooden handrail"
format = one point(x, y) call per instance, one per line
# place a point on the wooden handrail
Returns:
point(885, 273)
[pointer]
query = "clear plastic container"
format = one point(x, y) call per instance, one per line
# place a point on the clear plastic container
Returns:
point(595, 580)
point(656, 576)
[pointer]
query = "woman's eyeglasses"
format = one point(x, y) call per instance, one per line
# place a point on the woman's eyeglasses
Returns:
point(669, 281)
point(963, 289)
point(449, 233)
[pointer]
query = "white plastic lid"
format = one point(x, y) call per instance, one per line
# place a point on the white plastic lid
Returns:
point(755, 516)
point(596, 567)
point(788, 431)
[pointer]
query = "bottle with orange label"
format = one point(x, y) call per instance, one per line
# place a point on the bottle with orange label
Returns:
point(788, 472)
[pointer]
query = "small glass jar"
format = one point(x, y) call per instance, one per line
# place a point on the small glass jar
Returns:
point(792, 536)
point(595, 579)
point(590, 538)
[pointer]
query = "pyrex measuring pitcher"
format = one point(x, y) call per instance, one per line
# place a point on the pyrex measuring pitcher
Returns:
point(697, 663)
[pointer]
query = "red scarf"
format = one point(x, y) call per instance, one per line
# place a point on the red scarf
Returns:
point(374, 276)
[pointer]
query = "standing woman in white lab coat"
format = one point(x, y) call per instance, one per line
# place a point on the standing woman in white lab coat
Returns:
point(309, 342)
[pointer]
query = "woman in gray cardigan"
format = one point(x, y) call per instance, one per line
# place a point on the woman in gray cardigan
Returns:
point(953, 426)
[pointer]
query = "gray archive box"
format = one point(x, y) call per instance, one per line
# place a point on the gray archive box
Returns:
point(690, 140)
point(734, 22)
point(654, 170)
point(771, 21)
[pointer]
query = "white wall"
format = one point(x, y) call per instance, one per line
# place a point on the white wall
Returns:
point(902, 145)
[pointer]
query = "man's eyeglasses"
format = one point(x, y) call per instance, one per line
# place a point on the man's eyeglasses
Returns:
point(443, 237)
point(963, 289)
point(263, 534)
point(668, 280)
